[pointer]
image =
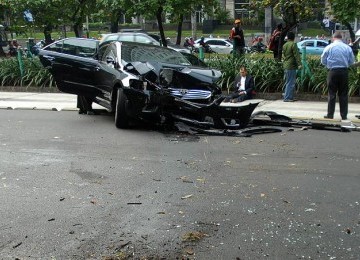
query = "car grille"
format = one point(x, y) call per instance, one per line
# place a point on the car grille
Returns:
point(191, 94)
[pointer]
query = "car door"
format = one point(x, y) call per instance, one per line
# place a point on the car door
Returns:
point(320, 46)
point(219, 46)
point(310, 47)
point(72, 65)
point(108, 73)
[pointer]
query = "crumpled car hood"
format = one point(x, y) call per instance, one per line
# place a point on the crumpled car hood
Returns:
point(168, 71)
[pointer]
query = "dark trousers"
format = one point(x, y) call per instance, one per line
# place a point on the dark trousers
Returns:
point(276, 53)
point(338, 83)
point(236, 96)
point(239, 50)
point(84, 104)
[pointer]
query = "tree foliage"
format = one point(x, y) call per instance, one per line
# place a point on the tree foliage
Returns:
point(175, 9)
point(112, 10)
point(345, 11)
point(292, 12)
point(48, 14)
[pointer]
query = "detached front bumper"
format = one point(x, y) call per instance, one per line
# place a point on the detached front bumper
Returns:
point(219, 114)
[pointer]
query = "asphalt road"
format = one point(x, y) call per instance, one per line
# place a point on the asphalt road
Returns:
point(75, 187)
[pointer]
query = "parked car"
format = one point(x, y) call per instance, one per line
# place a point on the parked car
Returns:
point(141, 82)
point(312, 46)
point(217, 45)
point(140, 37)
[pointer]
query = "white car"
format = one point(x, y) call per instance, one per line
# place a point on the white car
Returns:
point(218, 45)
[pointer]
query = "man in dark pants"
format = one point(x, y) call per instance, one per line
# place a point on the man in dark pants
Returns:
point(237, 35)
point(337, 57)
point(244, 86)
point(85, 105)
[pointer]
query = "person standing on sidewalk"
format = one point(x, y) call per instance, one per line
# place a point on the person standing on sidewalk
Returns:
point(291, 62)
point(274, 41)
point(237, 35)
point(337, 57)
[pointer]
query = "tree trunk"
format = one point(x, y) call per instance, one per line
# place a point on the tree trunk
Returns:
point(179, 29)
point(115, 19)
point(351, 31)
point(78, 30)
point(160, 24)
point(47, 34)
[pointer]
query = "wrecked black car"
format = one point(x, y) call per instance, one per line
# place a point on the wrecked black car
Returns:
point(142, 82)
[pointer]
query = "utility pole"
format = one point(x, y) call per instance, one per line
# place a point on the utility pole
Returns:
point(193, 24)
point(87, 27)
point(268, 23)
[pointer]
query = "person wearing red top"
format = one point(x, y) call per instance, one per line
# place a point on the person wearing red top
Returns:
point(275, 41)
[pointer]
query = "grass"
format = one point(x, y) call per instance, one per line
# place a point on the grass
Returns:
point(311, 32)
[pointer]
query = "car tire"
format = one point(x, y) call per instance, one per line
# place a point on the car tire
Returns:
point(121, 115)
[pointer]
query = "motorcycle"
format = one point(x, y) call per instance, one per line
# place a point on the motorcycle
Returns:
point(256, 49)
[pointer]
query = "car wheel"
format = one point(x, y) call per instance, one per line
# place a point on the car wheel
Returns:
point(121, 115)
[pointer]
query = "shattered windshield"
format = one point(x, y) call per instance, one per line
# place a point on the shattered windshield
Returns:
point(143, 53)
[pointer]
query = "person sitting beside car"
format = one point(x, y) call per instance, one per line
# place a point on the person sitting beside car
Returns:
point(244, 85)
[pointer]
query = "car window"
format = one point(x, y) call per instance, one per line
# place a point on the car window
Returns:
point(113, 37)
point(56, 47)
point(125, 38)
point(109, 52)
point(101, 51)
point(79, 47)
point(215, 42)
point(143, 53)
point(194, 60)
point(144, 39)
point(155, 37)
point(309, 44)
point(321, 44)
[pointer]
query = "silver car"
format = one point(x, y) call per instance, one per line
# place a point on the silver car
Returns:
point(140, 37)
point(218, 45)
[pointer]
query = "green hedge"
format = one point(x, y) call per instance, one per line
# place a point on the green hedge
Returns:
point(35, 75)
point(267, 72)
point(269, 75)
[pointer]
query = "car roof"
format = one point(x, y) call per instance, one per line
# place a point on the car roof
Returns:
point(308, 40)
point(120, 33)
point(206, 39)
point(132, 30)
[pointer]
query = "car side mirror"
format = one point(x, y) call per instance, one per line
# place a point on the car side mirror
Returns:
point(110, 59)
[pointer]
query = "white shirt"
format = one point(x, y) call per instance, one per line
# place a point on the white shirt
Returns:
point(241, 84)
point(337, 55)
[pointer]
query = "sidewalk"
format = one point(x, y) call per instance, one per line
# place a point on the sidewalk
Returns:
point(67, 102)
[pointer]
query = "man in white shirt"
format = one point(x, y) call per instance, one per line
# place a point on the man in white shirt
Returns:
point(243, 87)
point(337, 57)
